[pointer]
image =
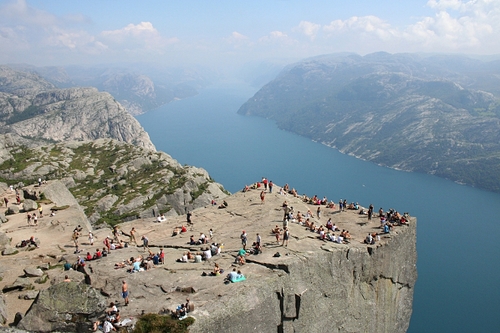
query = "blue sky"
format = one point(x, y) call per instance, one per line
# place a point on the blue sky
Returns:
point(235, 32)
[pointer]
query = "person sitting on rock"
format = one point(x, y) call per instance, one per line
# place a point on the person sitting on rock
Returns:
point(223, 205)
point(191, 240)
point(233, 275)
point(97, 254)
point(32, 242)
point(176, 231)
point(88, 257)
point(240, 258)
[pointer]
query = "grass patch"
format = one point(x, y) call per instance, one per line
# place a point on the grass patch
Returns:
point(156, 323)
point(59, 207)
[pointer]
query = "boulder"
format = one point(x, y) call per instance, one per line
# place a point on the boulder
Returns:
point(64, 307)
point(9, 250)
point(4, 241)
point(31, 294)
point(29, 205)
point(3, 219)
point(3, 310)
point(12, 209)
point(21, 283)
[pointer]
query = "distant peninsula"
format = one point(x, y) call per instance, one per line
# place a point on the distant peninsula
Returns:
point(432, 114)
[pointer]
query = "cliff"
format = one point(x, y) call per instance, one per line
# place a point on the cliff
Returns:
point(313, 286)
point(438, 115)
point(34, 112)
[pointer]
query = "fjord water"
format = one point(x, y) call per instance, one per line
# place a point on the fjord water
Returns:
point(458, 234)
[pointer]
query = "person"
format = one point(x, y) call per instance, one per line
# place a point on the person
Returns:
point(98, 254)
point(107, 327)
point(271, 186)
point(40, 211)
point(115, 234)
point(264, 180)
point(277, 233)
point(223, 205)
point(262, 196)
point(132, 236)
point(286, 236)
point(207, 253)
point(257, 243)
point(216, 270)
point(32, 241)
point(233, 275)
point(162, 256)
point(202, 239)
point(89, 256)
point(318, 212)
point(243, 237)
point(75, 236)
point(240, 258)
point(145, 242)
point(191, 240)
point(188, 217)
point(66, 279)
point(91, 238)
point(28, 217)
point(125, 292)
point(6, 201)
point(386, 228)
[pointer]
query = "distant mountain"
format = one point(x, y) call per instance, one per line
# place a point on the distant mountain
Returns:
point(36, 112)
point(436, 114)
point(135, 90)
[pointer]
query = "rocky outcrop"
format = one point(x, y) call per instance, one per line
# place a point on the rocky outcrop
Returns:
point(3, 310)
point(39, 112)
point(64, 307)
point(110, 181)
point(338, 290)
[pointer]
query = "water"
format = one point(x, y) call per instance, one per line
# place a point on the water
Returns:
point(458, 231)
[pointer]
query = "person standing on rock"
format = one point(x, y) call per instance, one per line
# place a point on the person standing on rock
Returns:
point(264, 180)
point(286, 236)
point(262, 197)
point(125, 292)
point(40, 211)
point(91, 238)
point(132, 236)
point(28, 217)
point(145, 242)
point(318, 212)
point(188, 218)
point(244, 239)
point(271, 186)
point(6, 201)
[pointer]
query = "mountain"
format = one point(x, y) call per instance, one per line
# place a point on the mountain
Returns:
point(434, 114)
point(35, 111)
point(135, 89)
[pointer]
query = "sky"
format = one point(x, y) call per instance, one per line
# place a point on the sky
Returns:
point(223, 32)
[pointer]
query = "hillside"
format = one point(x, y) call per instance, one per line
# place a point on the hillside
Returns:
point(34, 110)
point(438, 115)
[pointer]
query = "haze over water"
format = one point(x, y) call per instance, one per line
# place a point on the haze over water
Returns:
point(458, 230)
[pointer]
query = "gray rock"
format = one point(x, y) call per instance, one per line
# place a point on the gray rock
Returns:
point(31, 294)
point(21, 283)
point(106, 202)
point(4, 241)
point(29, 205)
point(9, 251)
point(3, 310)
point(65, 307)
point(33, 272)
point(12, 209)
point(3, 219)
point(45, 266)
point(17, 319)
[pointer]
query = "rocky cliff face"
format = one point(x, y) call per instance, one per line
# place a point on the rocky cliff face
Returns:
point(33, 109)
point(438, 115)
point(350, 289)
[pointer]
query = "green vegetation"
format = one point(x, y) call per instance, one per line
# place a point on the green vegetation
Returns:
point(107, 168)
point(155, 323)
point(29, 112)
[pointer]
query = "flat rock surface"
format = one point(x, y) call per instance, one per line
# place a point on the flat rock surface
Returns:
point(166, 286)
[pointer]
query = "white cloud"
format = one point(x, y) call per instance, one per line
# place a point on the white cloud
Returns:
point(274, 36)
point(143, 34)
point(308, 28)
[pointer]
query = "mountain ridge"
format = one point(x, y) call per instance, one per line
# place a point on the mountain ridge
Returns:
point(402, 111)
